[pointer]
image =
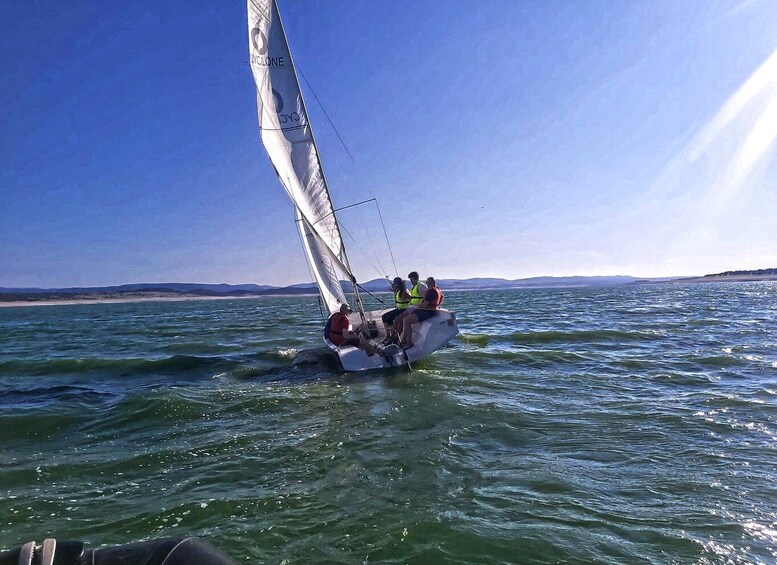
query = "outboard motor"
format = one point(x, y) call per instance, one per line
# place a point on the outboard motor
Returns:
point(170, 551)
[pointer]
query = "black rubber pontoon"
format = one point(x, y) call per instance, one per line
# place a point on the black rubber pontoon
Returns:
point(169, 551)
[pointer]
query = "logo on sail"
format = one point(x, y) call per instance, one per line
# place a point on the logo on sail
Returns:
point(259, 55)
point(278, 101)
point(287, 120)
point(256, 36)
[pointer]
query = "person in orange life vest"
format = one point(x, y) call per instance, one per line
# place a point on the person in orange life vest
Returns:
point(339, 334)
point(401, 302)
point(428, 308)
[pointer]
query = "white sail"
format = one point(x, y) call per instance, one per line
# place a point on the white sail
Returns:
point(288, 139)
point(325, 272)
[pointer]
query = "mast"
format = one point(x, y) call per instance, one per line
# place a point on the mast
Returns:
point(355, 290)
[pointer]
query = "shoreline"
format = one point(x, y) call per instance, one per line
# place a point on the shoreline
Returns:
point(81, 299)
point(726, 278)
point(126, 300)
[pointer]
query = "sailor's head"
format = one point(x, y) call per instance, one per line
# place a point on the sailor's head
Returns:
point(344, 308)
point(413, 276)
point(430, 282)
point(398, 285)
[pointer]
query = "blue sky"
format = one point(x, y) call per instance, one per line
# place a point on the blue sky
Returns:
point(508, 139)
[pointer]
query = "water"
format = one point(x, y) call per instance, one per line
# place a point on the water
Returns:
point(612, 425)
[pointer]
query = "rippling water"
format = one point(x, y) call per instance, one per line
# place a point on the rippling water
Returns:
point(612, 425)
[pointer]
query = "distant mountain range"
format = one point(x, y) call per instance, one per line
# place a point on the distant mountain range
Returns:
point(141, 290)
point(225, 290)
point(183, 288)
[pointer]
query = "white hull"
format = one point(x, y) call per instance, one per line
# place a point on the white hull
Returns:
point(428, 336)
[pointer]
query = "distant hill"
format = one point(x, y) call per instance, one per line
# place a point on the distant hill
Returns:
point(733, 276)
point(534, 282)
point(162, 290)
point(756, 272)
point(137, 290)
point(183, 290)
point(215, 289)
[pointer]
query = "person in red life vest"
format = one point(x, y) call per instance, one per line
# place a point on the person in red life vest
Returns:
point(428, 308)
point(339, 335)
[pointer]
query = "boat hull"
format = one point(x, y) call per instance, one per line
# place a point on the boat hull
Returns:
point(428, 336)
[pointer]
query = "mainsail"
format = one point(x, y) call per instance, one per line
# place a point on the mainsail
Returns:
point(288, 139)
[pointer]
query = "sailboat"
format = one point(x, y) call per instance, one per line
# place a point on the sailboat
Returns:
point(287, 137)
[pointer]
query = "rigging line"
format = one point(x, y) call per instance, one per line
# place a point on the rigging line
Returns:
point(324, 110)
point(359, 248)
point(343, 208)
point(380, 275)
point(391, 252)
point(383, 271)
point(353, 205)
point(368, 292)
point(380, 268)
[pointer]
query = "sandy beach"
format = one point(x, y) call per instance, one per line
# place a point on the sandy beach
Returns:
point(80, 299)
point(727, 278)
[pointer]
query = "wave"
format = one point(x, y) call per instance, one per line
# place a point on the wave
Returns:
point(477, 339)
point(41, 396)
point(634, 364)
point(719, 361)
point(289, 374)
point(314, 356)
point(167, 365)
point(206, 348)
point(536, 357)
point(578, 336)
point(675, 378)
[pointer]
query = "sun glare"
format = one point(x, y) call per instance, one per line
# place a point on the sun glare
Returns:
point(739, 135)
point(758, 142)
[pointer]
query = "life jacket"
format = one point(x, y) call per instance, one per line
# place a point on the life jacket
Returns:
point(415, 295)
point(399, 303)
point(438, 301)
point(328, 327)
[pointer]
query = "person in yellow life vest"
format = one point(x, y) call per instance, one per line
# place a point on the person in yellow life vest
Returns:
point(417, 292)
point(401, 302)
point(428, 308)
point(417, 289)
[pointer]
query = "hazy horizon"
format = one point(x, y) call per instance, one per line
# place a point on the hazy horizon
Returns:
point(312, 283)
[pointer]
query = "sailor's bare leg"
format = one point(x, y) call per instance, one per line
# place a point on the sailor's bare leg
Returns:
point(407, 329)
point(398, 321)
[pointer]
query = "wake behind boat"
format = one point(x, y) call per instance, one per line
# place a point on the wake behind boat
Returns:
point(288, 139)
